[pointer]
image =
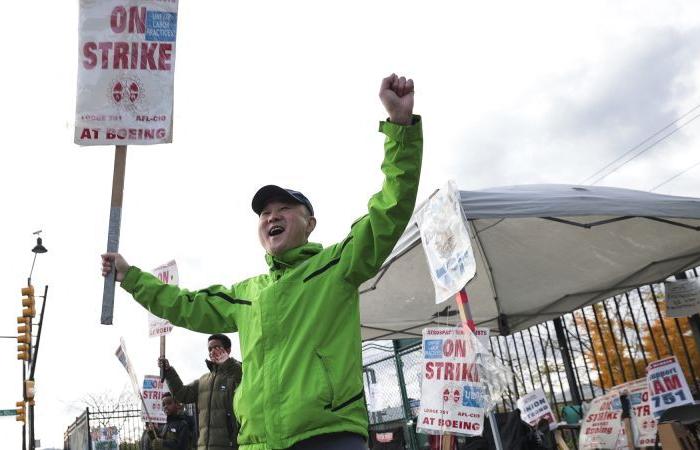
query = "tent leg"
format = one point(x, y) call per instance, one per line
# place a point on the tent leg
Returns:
point(413, 442)
point(566, 357)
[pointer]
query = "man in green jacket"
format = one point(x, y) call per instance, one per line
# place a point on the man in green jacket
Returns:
point(299, 324)
point(213, 394)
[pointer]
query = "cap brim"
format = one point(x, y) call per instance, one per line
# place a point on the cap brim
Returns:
point(266, 193)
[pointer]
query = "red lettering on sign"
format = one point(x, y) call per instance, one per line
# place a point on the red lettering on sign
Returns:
point(136, 19)
point(672, 382)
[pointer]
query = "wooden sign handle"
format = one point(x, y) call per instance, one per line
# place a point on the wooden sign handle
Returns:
point(115, 220)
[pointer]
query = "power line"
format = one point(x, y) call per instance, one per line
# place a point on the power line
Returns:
point(640, 144)
point(653, 144)
point(675, 176)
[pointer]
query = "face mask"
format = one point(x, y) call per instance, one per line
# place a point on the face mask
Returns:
point(218, 355)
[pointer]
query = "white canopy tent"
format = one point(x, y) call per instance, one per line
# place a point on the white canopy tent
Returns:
point(541, 251)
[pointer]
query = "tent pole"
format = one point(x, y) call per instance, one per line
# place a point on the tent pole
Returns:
point(413, 443)
point(566, 357)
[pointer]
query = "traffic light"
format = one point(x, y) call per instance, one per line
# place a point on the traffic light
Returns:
point(21, 412)
point(24, 338)
point(28, 302)
point(29, 391)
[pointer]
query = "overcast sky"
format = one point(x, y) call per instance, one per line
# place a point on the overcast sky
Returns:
point(286, 93)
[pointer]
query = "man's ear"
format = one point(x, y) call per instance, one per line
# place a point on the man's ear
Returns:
point(311, 224)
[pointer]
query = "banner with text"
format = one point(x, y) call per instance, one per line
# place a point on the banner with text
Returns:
point(667, 386)
point(153, 390)
point(126, 63)
point(167, 273)
point(452, 400)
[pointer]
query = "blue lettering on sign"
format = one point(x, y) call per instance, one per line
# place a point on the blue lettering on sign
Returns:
point(149, 383)
point(161, 26)
point(433, 348)
point(473, 397)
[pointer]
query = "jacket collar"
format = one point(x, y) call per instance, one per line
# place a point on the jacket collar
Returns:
point(175, 418)
point(293, 256)
point(227, 367)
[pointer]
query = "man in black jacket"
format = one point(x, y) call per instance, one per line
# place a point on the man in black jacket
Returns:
point(213, 394)
point(175, 433)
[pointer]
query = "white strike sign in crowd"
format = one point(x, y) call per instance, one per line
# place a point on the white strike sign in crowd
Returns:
point(667, 385)
point(452, 398)
point(535, 407)
point(153, 390)
point(664, 387)
point(167, 273)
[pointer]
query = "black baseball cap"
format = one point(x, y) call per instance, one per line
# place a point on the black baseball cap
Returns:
point(267, 193)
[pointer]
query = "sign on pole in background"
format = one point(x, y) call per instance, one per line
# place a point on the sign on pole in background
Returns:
point(126, 63)
point(451, 401)
point(643, 423)
point(446, 242)
point(534, 407)
point(602, 425)
point(123, 358)
point(667, 386)
point(153, 390)
point(682, 297)
point(168, 274)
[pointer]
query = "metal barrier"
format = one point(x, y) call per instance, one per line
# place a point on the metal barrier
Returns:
point(106, 430)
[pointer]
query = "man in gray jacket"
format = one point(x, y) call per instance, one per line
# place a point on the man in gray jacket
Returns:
point(213, 394)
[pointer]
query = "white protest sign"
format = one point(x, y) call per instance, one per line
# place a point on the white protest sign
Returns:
point(643, 423)
point(602, 425)
point(167, 273)
point(667, 385)
point(126, 63)
point(534, 407)
point(153, 390)
point(682, 297)
point(451, 399)
point(446, 242)
point(123, 358)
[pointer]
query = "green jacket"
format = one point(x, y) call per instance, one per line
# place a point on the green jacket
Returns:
point(213, 394)
point(299, 325)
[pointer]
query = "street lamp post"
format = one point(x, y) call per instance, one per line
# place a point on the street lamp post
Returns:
point(28, 393)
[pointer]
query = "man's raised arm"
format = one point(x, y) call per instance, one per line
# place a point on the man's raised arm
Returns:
point(373, 236)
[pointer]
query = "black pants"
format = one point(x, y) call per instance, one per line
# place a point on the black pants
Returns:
point(332, 441)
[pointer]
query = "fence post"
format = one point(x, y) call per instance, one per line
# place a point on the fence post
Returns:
point(413, 444)
point(566, 357)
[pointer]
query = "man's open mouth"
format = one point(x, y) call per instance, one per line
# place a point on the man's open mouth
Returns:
point(274, 231)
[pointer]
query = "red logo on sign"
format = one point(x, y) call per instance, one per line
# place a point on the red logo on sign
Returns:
point(446, 395)
point(456, 395)
point(126, 89)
